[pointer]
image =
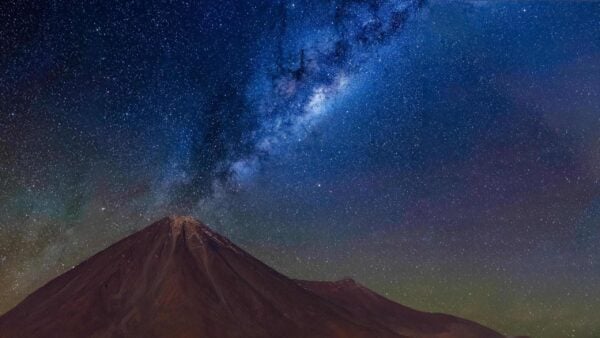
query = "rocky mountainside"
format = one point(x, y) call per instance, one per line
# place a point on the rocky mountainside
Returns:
point(178, 278)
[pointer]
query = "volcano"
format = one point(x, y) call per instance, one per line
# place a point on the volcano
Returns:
point(178, 278)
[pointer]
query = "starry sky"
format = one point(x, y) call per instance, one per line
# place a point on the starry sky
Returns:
point(443, 153)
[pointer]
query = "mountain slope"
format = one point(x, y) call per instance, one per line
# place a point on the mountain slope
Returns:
point(178, 278)
point(364, 303)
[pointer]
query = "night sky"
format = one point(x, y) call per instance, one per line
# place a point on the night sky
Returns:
point(444, 153)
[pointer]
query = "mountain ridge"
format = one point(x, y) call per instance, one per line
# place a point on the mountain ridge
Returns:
point(179, 278)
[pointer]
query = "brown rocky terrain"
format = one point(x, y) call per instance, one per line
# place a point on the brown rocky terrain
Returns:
point(178, 278)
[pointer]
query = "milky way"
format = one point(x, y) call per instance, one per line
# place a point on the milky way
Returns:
point(443, 153)
point(305, 63)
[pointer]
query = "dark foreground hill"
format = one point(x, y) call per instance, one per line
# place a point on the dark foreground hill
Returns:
point(178, 278)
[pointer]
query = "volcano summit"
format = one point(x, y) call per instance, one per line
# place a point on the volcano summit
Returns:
point(178, 278)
